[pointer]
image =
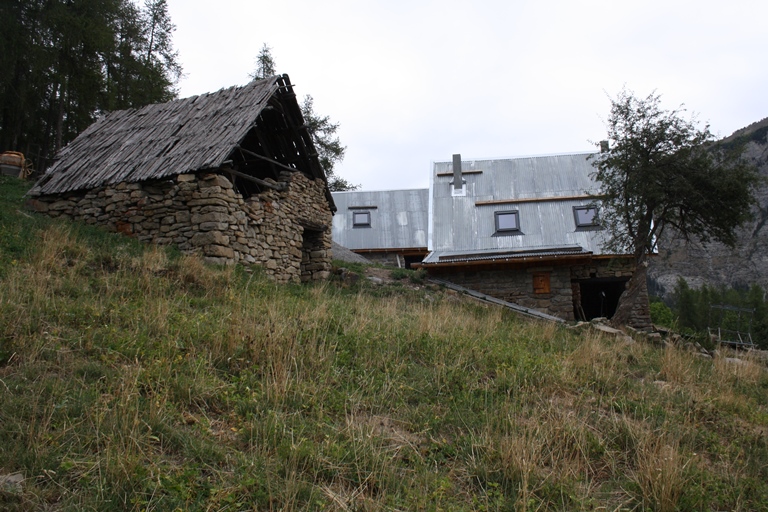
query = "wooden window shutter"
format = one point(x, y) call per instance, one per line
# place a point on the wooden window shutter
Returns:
point(541, 282)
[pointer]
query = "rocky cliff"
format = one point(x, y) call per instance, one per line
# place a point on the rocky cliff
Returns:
point(716, 264)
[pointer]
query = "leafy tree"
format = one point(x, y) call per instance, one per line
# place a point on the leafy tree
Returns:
point(661, 171)
point(662, 315)
point(321, 129)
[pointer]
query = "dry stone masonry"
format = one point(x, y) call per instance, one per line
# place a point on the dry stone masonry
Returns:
point(516, 285)
point(285, 231)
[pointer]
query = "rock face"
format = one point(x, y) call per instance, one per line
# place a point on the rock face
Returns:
point(716, 264)
point(285, 231)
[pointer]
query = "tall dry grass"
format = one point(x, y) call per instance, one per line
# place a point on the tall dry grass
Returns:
point(662, 471)
point(139, 379)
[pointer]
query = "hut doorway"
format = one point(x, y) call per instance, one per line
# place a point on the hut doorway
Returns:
point(597, 297)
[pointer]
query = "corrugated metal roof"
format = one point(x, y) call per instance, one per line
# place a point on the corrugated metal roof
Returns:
point(436, 257)
point(543, 190)
point(398, 219)
point(166, 139)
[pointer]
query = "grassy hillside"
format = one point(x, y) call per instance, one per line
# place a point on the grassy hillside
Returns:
point(136, 378)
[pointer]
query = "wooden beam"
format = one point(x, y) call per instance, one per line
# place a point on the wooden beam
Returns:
point(312, 226)
point(450, 174)
point(265, 148)
point(533, 200)
point(258, 181)
point(507, 262)
point(408, 251)
point(266, 159)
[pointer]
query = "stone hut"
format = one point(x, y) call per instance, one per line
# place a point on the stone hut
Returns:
point(231, 175)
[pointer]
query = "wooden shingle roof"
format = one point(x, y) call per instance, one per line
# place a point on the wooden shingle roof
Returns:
point(161, 140)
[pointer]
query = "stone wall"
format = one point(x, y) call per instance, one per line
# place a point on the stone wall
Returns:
point(516, 284)
point(604, 267)
point(287, 232)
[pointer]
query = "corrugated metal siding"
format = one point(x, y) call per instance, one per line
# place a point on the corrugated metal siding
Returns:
point(461, 225)
point(399, 220)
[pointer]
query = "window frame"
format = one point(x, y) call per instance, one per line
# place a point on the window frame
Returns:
point(595, 218)
point(356, 224)
point(507, 231)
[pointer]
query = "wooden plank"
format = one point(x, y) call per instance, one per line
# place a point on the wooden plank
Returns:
point(450, 174)
point(258, 181)
point(271, 161)
point(533, 200)
point(510, 305)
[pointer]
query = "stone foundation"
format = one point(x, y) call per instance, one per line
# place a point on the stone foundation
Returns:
point(516, 285)
point(551, 289)
point(287, 232)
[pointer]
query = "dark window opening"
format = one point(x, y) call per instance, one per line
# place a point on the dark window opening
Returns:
point(599, 297)
point(507, 222)
point(410, 260)
point(263, 139)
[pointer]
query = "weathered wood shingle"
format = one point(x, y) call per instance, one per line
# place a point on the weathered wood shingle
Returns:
point(161, 140)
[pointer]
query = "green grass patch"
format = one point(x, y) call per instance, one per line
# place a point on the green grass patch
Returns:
point(137, 378)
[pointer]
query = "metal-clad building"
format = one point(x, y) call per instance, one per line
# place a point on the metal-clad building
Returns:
point(525, 230)
point(543, 191)
point(388, 226)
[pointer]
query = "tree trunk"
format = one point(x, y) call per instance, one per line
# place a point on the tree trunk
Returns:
point(633, 308)
point(58, 140)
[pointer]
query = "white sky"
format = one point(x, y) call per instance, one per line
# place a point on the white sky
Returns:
point(412, 82)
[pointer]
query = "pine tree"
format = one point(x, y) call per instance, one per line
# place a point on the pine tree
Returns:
point(329, 148)
point(321, 129)
point(65, 62)
point(265, 64)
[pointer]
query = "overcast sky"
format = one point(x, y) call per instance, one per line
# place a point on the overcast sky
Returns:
point(411, 82)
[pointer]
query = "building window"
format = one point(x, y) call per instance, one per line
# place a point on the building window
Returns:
point(541, 282)
point(586, 216)
point(361, 219)
point(507, 222)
